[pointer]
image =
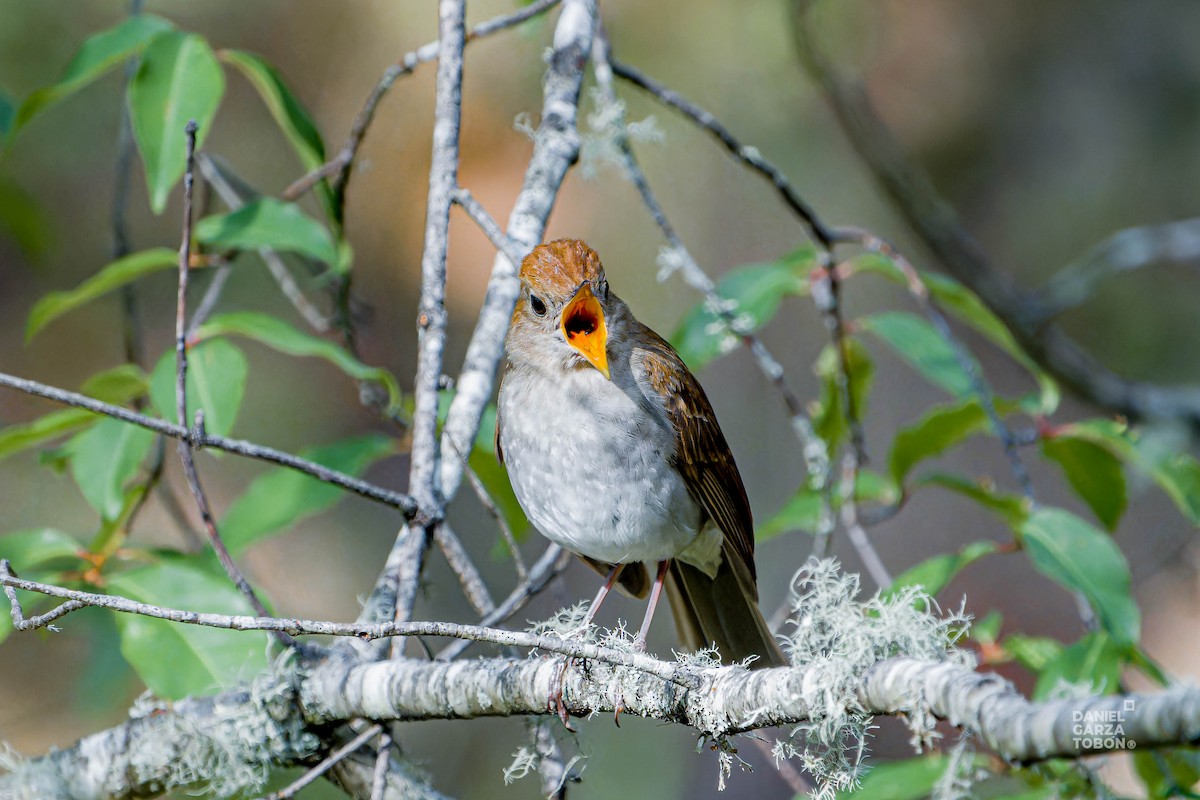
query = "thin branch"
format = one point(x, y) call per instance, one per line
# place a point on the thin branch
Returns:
point(382, 760)
point(1125, 251)
point(487, 223)
point(201, 439)
point(749, 156)
point(464, 568)
point(815, 452)
point(938, 225)
point(341, 165)
point(424, 475)
point(556, 146)
point(326, 764)
point(489, 505)
point(234, 200)
point(552, 563)
point(131, 329)
point(675, 673)
point(854, 529)
point(185, 446)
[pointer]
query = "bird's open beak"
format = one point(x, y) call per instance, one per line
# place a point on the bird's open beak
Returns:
point(583, 327)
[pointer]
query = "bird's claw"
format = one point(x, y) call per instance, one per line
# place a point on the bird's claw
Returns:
point(555, 701)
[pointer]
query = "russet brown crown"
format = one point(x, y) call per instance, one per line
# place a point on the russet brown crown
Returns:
point(557, 268)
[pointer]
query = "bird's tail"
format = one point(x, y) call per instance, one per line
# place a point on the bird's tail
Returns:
point(722, 612)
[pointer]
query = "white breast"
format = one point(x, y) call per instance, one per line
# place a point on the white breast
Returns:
point(589, 464)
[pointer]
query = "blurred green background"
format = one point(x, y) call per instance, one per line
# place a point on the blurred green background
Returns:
point(1049, 126)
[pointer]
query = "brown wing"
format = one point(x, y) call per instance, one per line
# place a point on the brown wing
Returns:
point(702, 455)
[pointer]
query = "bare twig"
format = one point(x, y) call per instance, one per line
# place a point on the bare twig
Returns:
point(549, 566)
point(341, 165)
point(815, 454)
point(234, 200)
point(326, 764)
point(369, 631)
point(1124, 251)
point(938, 225)
point(201, 439)
point(424, 476)
point(131, 329)
point(489, 505)
point(556, 146)
point(749, 156)
point(854, 529)
point(185, 445)
point(461, 564)
point(487, 223)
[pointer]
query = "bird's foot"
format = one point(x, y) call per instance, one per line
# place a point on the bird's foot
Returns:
point(555, 701)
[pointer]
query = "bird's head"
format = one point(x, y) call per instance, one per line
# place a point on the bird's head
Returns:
point(564, 312)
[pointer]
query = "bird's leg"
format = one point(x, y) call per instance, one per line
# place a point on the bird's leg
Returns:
point(640, 644)
point(556, 687)
point(595, 606)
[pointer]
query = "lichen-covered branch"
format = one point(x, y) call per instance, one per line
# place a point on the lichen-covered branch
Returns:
point(729, 700)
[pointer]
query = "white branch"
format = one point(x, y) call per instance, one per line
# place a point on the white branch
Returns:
point(555, 149)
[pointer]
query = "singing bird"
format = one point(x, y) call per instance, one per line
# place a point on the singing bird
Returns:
point(615, 454)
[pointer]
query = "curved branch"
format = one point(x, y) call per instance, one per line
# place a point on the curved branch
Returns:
point(938, 225)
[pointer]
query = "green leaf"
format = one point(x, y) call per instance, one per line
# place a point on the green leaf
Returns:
point(17, 438)
point(7, 111)
point(1176, 473)
point(1013, 509)
point(1033, 652)
point(899, 780)
point(291, 117)
point(115, 275)
point(919, 343)
point(23, 220)
point(987, 630)
point(935, 573)
point(966, 306)
point(1084, 559)
point(29, 550)
point(98, 54)
point(104, 459)
point(803, 511)
point(177, 660)
point(1179, 477)
point(939, 430)
point(117, 385)
point(1168, 772)
point(279, 335)
point(271, 223)
point(179, 80)
point(281, 497)
point(1095, 661)
point(829, 417)
point(754, 292)
point(216, 383)
point(1093, 472)
point(120, 384)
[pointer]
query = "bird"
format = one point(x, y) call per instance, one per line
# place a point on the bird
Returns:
point(614, 453)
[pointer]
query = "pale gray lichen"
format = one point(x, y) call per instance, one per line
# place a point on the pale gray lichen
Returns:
point(608, 132)
point(524, 762)
point(839, 638)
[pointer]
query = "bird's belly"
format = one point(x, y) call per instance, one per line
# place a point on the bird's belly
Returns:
point(591, 470)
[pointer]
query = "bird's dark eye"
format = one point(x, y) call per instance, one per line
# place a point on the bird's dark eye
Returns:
point(537, 305)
